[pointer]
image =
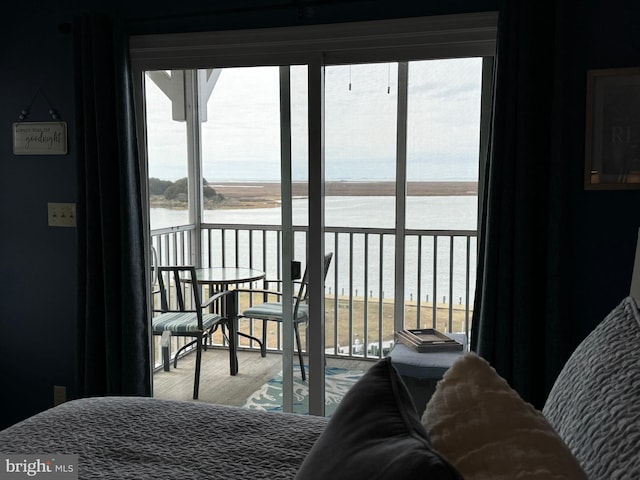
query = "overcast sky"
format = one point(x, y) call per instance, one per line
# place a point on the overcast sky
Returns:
point(241, 139)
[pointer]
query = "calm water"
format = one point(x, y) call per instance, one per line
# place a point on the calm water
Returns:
point(424, 212)
point(433, 213)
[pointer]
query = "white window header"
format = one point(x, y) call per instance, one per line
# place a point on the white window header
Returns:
point(445, 36)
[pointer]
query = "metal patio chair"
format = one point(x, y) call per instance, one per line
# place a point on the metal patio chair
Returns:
point(272, 311)
point(181, 318)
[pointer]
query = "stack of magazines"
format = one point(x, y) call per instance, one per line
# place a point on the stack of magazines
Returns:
point(426, 340)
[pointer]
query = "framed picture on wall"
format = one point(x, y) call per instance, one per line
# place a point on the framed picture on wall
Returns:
point(613, 129)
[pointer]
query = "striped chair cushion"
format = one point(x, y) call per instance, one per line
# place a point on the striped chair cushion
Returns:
point(273, 311)
point(182, 322)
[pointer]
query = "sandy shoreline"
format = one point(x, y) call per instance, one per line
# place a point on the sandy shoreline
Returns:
point(267, 194)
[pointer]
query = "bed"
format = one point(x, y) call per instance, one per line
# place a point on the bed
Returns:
point(374, 433)
point(474, 427)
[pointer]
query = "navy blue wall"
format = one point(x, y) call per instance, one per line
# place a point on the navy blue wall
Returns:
point(38, 263)
point(606, 222)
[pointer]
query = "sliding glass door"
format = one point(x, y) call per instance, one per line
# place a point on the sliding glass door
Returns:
point(344, 139)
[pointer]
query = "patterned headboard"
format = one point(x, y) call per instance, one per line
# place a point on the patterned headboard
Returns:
point(594, 404)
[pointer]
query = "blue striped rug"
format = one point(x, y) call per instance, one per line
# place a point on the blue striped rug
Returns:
point(337, 382)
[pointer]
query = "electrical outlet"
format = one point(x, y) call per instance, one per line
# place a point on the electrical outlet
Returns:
point(59, 395)
point(62, 214)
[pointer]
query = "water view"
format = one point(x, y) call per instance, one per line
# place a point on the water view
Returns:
point(240, 126)
point(432, 213)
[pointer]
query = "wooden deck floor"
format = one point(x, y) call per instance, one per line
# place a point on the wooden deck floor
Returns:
point(217, 386)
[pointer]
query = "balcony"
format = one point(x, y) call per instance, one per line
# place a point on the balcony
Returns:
point(359, 291)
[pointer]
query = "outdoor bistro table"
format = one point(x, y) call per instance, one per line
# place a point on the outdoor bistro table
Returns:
point(219, 279)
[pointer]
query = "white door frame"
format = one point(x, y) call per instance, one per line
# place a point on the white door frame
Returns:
point(422, 38)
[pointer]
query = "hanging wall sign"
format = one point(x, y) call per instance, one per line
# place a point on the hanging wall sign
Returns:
point(40, 138)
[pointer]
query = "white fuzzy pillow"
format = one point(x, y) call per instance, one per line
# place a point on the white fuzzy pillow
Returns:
point(483, 427)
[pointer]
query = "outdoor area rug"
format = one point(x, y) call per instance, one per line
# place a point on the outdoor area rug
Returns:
point(337, 382)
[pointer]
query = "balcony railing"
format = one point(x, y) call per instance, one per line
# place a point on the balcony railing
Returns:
point(359, 290)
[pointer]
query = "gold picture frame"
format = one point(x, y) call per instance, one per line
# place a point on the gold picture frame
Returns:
point(612, 150)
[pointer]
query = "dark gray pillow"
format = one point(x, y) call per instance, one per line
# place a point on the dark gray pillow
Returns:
point(375, 433)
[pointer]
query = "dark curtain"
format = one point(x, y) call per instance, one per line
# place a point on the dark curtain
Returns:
point(113, 345)
point(522, 321)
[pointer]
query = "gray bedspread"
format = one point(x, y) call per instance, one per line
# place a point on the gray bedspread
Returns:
point(145, 438)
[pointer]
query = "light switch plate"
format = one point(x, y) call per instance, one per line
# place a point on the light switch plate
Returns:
point(62, 214)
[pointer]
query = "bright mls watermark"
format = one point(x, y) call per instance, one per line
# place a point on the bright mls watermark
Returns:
point(50, 466)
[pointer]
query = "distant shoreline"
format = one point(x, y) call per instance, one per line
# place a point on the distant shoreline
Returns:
point(267, 194)
point(349, 188)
